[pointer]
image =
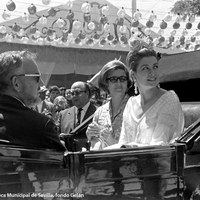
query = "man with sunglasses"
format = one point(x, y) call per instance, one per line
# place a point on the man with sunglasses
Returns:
point(70, 118)
point(19, 92)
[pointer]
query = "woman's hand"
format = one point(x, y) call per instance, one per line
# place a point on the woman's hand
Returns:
point(93, 131)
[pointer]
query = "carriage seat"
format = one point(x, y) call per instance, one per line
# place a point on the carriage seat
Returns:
point(191, 112)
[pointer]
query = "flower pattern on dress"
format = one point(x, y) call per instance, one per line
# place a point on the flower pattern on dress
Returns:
point(111, 125)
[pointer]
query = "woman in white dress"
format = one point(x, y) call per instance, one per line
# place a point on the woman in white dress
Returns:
point(154, 116)
point(114, 79)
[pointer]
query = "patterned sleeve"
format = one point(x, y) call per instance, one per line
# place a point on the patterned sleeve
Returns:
point(96, 114)
point(170, 121)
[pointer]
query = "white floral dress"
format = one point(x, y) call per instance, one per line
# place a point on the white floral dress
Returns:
point(159, 125)
point(110, 125)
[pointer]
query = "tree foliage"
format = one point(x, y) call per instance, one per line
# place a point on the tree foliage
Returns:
point(187, 8)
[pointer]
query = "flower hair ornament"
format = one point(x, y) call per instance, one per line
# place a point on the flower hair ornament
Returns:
point(137, 44)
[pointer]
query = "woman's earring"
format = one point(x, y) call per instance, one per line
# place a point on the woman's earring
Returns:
point(135, 88)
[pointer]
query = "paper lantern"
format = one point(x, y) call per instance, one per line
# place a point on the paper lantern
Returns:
point(176, 25)
point(191, 19)
point(160, 32)
point(123, 29)
point(197, 33)
point(184, 32)
point(152, 17)
point(77, 24)
point(37, 34)
point(16, 27)
point(102, 42)
point(21, 32)
point(121, 13)
point(135, 23)
point(105, 10)
point(77, 40)
point(9, 38)
point(163, 25)
point(109, 37)
point(86, 8)
point(173, 32)
point(87, 17)
point(103, 19)
point(46, 2)
point(106, 27)
point(5, 15)
point(10, 5)
point(149, 24)
point(52, 12)
point(43, 20)
point(147, 31)
point(40, 41)
point(137, 15)
point(188, 25)
point(33, 29)
point(192, 38)
point(182, 40)
point(120, 21)
point(32, 9)
point(70, 15)
point(168, 17)
point(3, 29)
point(25, 17)
point(91, 25)
point(25, 40)
point(81, 35)
point(60, 22)
point(96, 36)
point(68, 5)
point(171, 39)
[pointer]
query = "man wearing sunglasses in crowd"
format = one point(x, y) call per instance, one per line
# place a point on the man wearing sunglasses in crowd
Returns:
point(71, 117)
point(19, 92)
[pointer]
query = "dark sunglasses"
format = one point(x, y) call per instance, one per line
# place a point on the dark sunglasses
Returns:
point(76, 92)
point(114, 79)
point(36, 76)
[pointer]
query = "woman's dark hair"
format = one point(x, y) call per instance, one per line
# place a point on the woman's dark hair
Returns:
point(54, 88)
point(108, 67)
point(134, 57)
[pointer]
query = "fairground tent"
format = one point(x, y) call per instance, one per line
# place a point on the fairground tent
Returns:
point(74, 40)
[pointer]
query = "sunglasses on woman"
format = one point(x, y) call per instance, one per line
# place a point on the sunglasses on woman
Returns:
point(114, 79)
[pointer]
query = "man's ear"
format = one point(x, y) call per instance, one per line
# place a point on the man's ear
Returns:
point(16, 83)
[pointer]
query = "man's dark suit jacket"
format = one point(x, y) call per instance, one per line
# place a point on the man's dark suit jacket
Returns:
point(22, 126)
point(67, 119)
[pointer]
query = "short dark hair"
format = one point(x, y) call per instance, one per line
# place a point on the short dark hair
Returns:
point(87, 89)
point(62, 88)
point(54, 88)
point(134, 57)
point(9, 62)
point(108, 67)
